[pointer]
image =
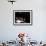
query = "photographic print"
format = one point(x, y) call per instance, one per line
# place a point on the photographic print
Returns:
point(22, 16)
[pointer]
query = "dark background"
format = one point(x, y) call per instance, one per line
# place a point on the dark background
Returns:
point(23, 15)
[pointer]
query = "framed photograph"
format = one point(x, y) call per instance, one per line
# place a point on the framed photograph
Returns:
point(22, 17)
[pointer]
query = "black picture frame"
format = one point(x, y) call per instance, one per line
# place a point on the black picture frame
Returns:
point(24, 15)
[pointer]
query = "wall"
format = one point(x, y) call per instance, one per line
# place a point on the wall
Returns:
point(37, 31)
